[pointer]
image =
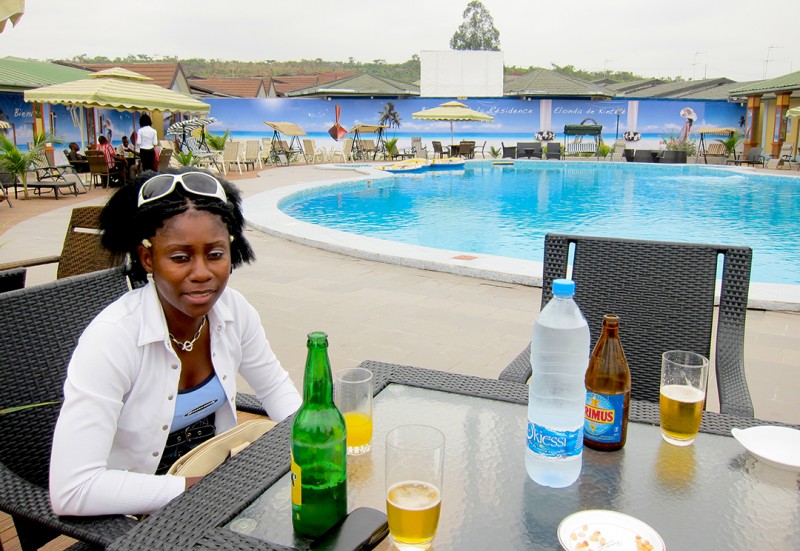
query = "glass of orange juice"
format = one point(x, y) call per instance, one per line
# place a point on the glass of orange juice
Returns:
point(353, 396)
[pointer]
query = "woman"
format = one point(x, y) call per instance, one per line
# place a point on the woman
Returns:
point(161, 362)
point(147, 140)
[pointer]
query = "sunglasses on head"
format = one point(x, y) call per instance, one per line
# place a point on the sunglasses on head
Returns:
point(196, 183)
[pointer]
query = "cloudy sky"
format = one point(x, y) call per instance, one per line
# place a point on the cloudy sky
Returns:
point(697, 38)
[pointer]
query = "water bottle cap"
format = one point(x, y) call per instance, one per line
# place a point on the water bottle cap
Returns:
point(563, 287)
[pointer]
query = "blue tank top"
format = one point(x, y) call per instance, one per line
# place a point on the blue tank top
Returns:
point(195, 403)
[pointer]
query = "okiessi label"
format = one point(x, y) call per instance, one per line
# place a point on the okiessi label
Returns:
point(558, 444)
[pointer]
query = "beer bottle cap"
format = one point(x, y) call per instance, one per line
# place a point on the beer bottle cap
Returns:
point(563, 287)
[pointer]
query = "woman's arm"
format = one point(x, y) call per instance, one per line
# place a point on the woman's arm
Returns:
point(261, 368)
point(100, 379)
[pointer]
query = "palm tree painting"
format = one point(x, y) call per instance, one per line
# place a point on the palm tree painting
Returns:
point(389, 117)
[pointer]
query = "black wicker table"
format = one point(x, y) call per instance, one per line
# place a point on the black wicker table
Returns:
point(712, 495)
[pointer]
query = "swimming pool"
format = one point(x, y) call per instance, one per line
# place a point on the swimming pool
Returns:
point(507, 210)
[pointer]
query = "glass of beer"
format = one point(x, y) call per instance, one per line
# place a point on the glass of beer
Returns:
point(353, 396)
point(683, 394)
point(414, 467)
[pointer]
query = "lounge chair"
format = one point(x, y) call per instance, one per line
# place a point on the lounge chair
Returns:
point(252, 154)
point(553, 150)
point(754, 157)
point(164, 158)
point(417, 149)
point(312, 153)
point(345, 153)
point(617, 152)
point(664, 294)
point(232, 154)
point(508, 152)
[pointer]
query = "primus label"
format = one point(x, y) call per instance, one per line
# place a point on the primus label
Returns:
point(603, 417)
point(558, 444)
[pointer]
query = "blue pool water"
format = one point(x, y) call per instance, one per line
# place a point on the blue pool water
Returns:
point(507, 211)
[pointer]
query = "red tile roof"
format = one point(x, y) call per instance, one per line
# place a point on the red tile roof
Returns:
point(290, 83)
point(241, 87)
point(163, 74)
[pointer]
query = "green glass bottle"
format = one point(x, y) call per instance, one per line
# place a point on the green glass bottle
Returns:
point(319, 449)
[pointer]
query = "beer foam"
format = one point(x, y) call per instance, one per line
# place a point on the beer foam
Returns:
point(413, 495)
point(683, 393)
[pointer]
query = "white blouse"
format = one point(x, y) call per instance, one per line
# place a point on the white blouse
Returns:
point(147, 138)
point(119, 400)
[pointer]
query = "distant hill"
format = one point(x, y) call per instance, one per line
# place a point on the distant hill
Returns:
point(408, 71)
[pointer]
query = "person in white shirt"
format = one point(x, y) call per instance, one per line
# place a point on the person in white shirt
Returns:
point(160, 363)
point(147, 139)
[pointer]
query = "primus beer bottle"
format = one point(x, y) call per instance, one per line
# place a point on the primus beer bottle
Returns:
point(319, 450)
point(608, 391)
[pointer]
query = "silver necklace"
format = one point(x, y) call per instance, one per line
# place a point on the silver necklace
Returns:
point(187, 346)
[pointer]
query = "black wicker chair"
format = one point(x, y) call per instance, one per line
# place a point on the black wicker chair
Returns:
point(47, 321)
point(12, 279)
point(664, 295)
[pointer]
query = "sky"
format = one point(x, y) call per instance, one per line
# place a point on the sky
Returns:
point(738, 39)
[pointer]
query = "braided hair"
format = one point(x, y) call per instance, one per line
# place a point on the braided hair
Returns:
point(125, 225)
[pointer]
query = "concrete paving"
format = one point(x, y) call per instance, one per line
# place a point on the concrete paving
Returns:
point(403, 314)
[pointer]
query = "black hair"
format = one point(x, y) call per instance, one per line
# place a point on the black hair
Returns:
point(102, 139)
point(144, 120)
point(124, 224)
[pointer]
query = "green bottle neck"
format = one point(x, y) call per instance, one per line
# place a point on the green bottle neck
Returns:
point(318, 381)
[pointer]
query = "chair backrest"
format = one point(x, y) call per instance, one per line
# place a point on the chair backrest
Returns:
point(716, 149)
point(164, 158)
point(82, 251)
point(47, 321)
point(97, 163)
point(251, 150)
point(509, 152)
point(308, 147)
point(347, 147)
point(12, 279)
point(231, 151)
point(754, 153)
point(437, 147)
point(663, 294)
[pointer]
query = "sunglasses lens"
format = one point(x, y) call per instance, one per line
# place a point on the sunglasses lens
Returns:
point(201, 183)
point(156, 186)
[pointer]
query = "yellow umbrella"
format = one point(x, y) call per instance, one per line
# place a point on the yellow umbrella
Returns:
point(11, 10)
point(4, 124)
point(452, 111)
point(118, 89)
point(793, 112)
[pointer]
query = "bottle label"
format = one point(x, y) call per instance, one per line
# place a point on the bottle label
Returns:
point(557, 444)
point(603, 417)
point(297, 484)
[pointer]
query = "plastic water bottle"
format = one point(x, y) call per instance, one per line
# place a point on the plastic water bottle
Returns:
point(557, 395)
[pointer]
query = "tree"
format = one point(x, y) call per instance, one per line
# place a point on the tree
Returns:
point(17, 163)
point(389, 117)
point(477, 32)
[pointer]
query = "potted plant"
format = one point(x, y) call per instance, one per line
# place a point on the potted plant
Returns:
point(215, 142)
point(17, 163)
point(603, 150)
point(185, 159)
point(731, 142)
point(494, 152)
point(545, 136)
point(391, 148)
point(631, 136)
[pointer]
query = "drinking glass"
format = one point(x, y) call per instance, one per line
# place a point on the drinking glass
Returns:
point(684, 376)
point(353, 396)
point(414, 466)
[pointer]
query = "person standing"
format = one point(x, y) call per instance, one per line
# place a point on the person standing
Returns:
point(147, 139)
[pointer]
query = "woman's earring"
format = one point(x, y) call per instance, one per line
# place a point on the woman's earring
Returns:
point(146, 243)
point(231, 238)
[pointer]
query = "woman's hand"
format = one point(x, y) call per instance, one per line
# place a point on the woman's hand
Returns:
point(192, 480)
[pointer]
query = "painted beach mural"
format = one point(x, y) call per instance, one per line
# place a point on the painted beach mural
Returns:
point(515, 120)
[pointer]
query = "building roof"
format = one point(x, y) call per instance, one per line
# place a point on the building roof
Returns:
point(785, 83)
point(17, 74)
point(634, 85)
point(698, 89)
point(359, 85)
point(283, 84)
point(237, 87)
point(166, 75)
point(543, 82)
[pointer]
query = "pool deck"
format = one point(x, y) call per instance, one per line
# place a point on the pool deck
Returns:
point(392, 312)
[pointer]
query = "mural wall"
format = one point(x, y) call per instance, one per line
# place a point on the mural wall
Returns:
point(514, 119)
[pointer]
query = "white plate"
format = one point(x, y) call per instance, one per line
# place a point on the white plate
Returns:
point(776, 446)
point(606, 531)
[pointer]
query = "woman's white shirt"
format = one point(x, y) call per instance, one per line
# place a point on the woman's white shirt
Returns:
point(119, 399)
point(147, 138)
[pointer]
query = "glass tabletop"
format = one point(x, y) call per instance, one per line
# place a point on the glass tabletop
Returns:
point(709, 495)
